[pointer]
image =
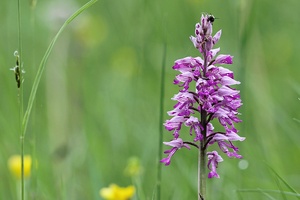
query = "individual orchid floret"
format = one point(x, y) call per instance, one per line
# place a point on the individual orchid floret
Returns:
point(225, 143)
point(176, 144)
point(213, 160)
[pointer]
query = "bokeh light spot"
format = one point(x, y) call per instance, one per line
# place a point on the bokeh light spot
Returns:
point(243, 164)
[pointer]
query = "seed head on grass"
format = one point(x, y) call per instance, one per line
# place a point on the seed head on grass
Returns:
point(17, 70)
point(211, 97)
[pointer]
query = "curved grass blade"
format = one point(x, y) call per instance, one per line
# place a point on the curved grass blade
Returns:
point(44, 61)
point(268, 196)
point(269, 191)
point(285, 183)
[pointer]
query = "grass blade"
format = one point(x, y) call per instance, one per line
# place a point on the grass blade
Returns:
point(285, 183)
point(270, 191)
point(44, 61)
point(161, 114)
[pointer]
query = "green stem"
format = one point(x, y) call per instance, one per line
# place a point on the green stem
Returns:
point(202, 174)
point(136, 180)
point(202, 148)
point(44, 61)
point(22, 168)
point(20, 99)
point(160, 140)
point(202, 160)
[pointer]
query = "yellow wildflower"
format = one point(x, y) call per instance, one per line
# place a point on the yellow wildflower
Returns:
point(114, 192)
point(14, 165)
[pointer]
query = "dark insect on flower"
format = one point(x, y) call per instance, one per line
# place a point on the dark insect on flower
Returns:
point(211, 18)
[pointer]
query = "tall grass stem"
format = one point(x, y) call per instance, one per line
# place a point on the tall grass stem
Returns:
point(161, 113)
point(44, 61)
point(269, 191)
point(20, 97)
point(283, 181)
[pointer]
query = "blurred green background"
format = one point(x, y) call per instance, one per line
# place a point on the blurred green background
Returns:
point(98, 102)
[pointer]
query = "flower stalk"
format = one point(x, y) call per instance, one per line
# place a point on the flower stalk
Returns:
point(202, 173)
point(213, 97)
point(202, 160)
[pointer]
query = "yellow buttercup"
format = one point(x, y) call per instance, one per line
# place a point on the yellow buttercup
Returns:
point(14, 165)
